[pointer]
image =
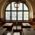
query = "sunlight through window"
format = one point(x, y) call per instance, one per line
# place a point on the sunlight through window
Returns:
point(26, 15)
point(19, 15)
point(17, 12)
point(25, 7)
point(13, 15)
point(7, 16)
point(8, 7)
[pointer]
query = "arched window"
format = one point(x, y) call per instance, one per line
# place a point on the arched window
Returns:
point(17, 11)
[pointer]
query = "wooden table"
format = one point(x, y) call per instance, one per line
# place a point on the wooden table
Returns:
point(8, 26)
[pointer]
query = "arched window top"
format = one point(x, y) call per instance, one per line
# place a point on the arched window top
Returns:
point(21, 6)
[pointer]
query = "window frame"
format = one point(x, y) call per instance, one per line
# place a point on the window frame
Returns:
point(18, 20)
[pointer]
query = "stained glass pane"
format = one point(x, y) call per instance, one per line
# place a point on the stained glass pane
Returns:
point(26, 15)
point(19, 15)
point(25, 7)
point(13, 15)
point(7, 16)
point(8, 7)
